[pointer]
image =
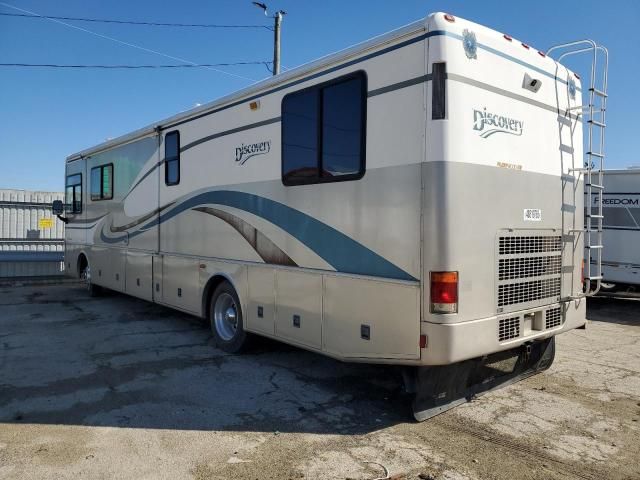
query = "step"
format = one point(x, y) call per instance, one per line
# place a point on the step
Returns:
point(598, 92)
point(594, 247)
point(596, 154)
point(593, 185)
point(597, 124)
point(594, 216)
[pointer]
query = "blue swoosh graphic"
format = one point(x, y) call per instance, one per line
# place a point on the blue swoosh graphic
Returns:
point(337, 249)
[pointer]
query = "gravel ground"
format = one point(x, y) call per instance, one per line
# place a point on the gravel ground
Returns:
point(114, 387)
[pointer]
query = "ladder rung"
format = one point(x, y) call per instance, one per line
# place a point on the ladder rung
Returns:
point(581, 169)
point(586, 109)
point(593, 185)
point(598, 92)
point(596, 154)
point(594, 247)
point(594, 216)
point(596, 123)
point(599, 277)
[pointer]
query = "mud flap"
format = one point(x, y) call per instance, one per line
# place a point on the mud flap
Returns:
point(439, 388)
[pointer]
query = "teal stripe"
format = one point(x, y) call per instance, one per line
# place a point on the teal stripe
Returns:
point(337, 249)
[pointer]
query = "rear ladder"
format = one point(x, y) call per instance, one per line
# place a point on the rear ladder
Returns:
point(594, 117)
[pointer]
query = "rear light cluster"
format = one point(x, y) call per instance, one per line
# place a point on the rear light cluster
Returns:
point(444, 292)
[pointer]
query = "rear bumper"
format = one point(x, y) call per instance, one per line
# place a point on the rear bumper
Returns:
point(455, 342)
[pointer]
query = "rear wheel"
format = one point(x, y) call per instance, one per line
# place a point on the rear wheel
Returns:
point(225, 317)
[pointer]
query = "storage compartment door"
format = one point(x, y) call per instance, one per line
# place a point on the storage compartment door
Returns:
point(260, 314)
point(369, 319)
point(139, 275)
point(299, 307)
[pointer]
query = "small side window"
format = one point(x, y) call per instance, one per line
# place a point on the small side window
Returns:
point(73, 194)
point(102, 182)
point(172, 158)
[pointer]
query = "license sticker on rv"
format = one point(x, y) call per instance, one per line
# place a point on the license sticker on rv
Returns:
point(532, 215)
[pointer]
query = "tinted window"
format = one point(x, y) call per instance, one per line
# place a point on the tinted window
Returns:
point(300, 120)
point(323, 132)
point(73, 194)
point(342, 128)
point(96, 187)
point(107, 182)
point(102, 182)
point(172, 158)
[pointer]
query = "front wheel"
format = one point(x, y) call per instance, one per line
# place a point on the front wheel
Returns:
point(93, 289)
point(225, 316)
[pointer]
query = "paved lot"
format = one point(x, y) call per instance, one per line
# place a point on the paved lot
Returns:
point(117, 388)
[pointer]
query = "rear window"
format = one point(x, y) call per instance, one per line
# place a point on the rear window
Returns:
point(323, 132)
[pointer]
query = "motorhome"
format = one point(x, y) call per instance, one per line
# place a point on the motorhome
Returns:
point(413, 200)
point(621, 229)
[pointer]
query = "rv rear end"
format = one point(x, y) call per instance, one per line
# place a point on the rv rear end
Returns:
point(621, 237)
point(502, 255)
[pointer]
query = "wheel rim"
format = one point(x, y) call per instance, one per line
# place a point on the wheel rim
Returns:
point(85, 276)
point(225, 315)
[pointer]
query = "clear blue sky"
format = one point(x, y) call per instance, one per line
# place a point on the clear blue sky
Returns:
point(48, 114)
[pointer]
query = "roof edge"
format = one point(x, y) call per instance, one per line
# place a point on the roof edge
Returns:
point(269, 82)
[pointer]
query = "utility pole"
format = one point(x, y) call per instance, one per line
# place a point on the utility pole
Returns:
point(277, 22)
point(276, 41)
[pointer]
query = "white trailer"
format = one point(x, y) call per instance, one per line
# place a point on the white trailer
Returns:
point(413, 200)
point(621, 226)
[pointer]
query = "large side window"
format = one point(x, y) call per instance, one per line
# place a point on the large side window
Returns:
point(172, 158)
point(73, 193)
point(102, 182)
point(323, 132)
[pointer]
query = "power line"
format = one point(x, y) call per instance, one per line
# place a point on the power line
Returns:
point(131, 22)
point(132, 45)
point(180, 65)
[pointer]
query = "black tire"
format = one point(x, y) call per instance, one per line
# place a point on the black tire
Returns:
point(225, 319)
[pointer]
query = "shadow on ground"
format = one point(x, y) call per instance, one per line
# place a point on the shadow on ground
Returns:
point(66, 358)
point(612, 309)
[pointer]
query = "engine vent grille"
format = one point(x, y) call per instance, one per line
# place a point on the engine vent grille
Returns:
point(553, 318)
point(529, 268)
point(513, 268)
point(530, 244)
point(508, 328)
point(514, 293)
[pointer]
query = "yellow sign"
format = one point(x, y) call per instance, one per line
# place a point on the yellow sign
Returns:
point(45, 223)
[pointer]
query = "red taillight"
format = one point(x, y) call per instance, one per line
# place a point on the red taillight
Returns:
point(444, 292)
point(525, 46)
point(423, 341)
point(577, 76)
point(542, 54)
point(582, 275)
point(507, 37)
point(449, 18)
